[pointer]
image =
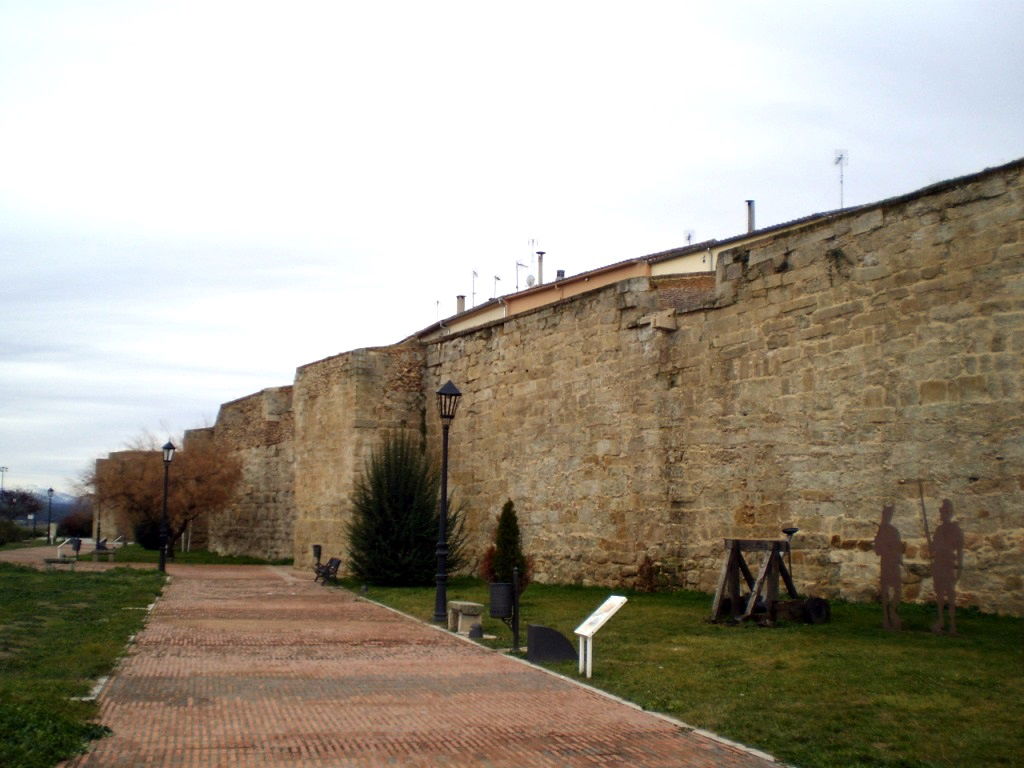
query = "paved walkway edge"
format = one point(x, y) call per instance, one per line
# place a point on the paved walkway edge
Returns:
point(618, 699)
point(101, 682)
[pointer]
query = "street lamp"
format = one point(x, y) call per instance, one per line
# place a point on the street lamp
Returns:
point(49, 513)
point(447, 403)
point(2, 495)
point(168, 450)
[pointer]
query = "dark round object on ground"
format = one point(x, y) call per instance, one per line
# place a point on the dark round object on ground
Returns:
point(817, 611)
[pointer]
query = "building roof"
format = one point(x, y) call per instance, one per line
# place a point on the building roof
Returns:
point(485, 310)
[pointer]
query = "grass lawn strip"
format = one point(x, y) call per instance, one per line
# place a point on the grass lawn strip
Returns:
point(25, 544)
point(843, 694)
point(133, 553)
point(60, 632)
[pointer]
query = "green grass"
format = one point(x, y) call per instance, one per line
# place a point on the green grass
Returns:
point(59, 631)
point(836, 695)
point(133, 553)
point(26, 543)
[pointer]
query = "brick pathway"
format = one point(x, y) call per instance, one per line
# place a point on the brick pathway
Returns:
point(258, 666)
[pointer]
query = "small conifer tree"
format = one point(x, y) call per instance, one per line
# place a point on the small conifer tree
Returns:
point(508, 549)
point(393, 531)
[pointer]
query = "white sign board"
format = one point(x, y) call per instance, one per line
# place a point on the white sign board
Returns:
point(597, 619)
point(588, 628)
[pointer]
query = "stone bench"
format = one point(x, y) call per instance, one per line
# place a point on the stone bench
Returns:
point(462, 615)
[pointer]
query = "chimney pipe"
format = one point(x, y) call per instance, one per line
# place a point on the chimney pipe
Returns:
point(750, 215)
point(460, 304)
point(540, 267)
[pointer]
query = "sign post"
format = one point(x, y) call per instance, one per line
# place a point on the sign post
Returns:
point(588, 629)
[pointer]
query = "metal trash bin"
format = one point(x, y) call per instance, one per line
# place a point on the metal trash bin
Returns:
point(502, 599)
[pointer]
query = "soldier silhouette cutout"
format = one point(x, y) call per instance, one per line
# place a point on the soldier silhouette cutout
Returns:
point(947, 549)
point(889, 548)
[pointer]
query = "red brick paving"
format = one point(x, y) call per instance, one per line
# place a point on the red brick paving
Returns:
point(259, 666)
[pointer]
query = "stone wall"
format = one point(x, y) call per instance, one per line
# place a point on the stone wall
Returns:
point(258, 429)
point(876, 346)
point(560, 413)
point(343, 406)
point(822, 372)
point(856, 357)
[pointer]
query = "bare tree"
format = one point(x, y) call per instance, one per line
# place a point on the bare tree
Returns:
point(78, 522)
point(202, 480)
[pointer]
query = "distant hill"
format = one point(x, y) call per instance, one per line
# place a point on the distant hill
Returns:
point(63, 503)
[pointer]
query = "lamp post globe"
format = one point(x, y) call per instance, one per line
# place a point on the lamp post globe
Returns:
point(168, 451)
point(447, 404)
point(49, 514)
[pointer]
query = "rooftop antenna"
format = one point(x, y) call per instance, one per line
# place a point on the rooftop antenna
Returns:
point(519, 265)
point(472, 300)
point(842, 158)
point(496, 281)
point(689, 236)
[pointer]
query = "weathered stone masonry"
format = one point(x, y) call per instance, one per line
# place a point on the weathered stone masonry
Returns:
point(343, 406)
point(815, 377)
point(259, 429)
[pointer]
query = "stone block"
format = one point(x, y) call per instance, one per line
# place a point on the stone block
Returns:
point(462, 615)
point(933, 392)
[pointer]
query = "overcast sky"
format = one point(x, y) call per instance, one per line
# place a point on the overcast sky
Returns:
point(198, 197)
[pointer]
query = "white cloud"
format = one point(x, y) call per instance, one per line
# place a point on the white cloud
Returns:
point(195, 198)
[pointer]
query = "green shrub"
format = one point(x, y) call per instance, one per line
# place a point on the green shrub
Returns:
point(147, 533)
point(394, 528)
point(507, 551)
point(40, 733)
point(9, 532)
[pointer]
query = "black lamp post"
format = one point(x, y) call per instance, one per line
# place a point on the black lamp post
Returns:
point(447, 403)
point(49, 514)
point(168, 450)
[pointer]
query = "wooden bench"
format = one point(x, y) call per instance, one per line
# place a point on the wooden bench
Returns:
point(328, 570)
point(53, 562)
